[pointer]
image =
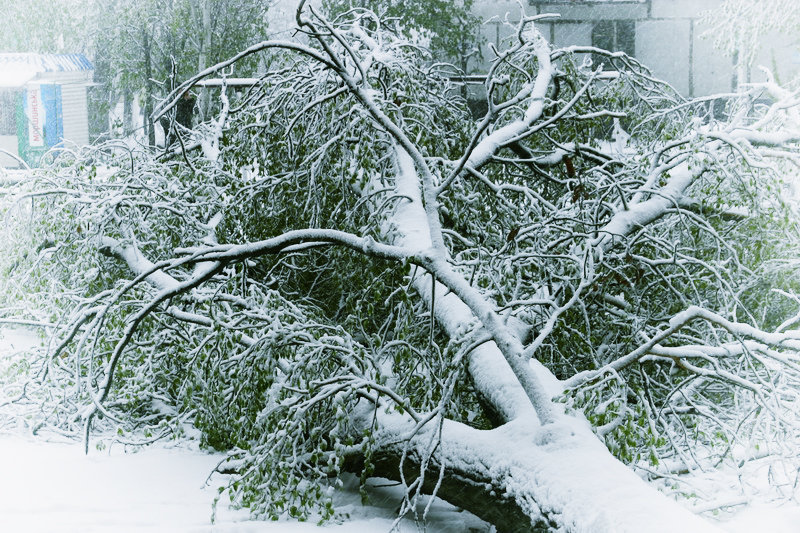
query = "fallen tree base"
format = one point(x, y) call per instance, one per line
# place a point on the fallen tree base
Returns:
point(523, 477)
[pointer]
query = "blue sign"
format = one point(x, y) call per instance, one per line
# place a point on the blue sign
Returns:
point(42, 121)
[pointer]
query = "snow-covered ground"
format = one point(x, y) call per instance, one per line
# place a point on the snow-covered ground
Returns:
point(48, 485)
point(51, 486)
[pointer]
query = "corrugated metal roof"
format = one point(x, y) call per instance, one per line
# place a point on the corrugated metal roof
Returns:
point(46, 62)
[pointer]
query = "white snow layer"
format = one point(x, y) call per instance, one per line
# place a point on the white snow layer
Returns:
point(54, 487)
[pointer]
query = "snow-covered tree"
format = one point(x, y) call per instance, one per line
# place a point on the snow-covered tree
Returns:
point(345, 272)
point(450, 28)
point(144, 47)
point(44, 26)
point(739, 27)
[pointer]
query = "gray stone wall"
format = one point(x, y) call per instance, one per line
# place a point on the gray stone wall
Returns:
point(670, 39)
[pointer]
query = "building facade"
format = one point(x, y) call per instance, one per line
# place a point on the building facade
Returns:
point(668, 36)
point(43, 105)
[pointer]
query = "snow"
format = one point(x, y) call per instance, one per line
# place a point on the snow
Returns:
point(228, 82)
point(762, 517)
point(16, 77)
point(51, 485)
point(561, 466)
point(533, 93)
point(13, 340)
point(486, 364)
point(755, 497)
point(54, 487)
point(139, 263)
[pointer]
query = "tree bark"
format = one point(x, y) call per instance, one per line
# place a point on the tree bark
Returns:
point(202, 62)
point(148, 88)
point(524, 477)
point(127, 112)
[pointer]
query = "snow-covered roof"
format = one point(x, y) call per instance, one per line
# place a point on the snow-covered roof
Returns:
point(16, 77)
point(17, 69)
point(47, 62)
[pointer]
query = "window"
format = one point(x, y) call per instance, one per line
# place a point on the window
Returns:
point(8, 112)
point(615, 36)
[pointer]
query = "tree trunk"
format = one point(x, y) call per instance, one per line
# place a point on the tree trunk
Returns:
point(526, 477)
point(522, 475)
point(127, 112)
point(202, 61)
point(148, 88)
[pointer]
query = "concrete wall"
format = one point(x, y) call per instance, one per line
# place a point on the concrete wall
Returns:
point(667, 40)
point(712, 70)
point(664, 46)
point(9, 144)
point(571, 33)
point(780, 54)
point(680, 8)
point(692, 63)
point(670, 39)
point(592, 10)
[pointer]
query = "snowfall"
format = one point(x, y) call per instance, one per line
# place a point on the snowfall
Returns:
point(47, 484)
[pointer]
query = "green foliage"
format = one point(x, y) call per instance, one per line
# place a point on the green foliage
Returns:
point(295, 341)
point(284, 359)
point(623, 419)
point(44, 26)
point(449, 29)
point(144, 48)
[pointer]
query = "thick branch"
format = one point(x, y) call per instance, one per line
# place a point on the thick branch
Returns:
point(287, 242)
point(498, 371)
point(172, 99)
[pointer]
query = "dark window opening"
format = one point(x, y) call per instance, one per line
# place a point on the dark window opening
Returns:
point(603, 35)
point(615, 36)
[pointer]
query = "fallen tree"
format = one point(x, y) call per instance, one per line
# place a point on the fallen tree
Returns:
point(355, 275)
